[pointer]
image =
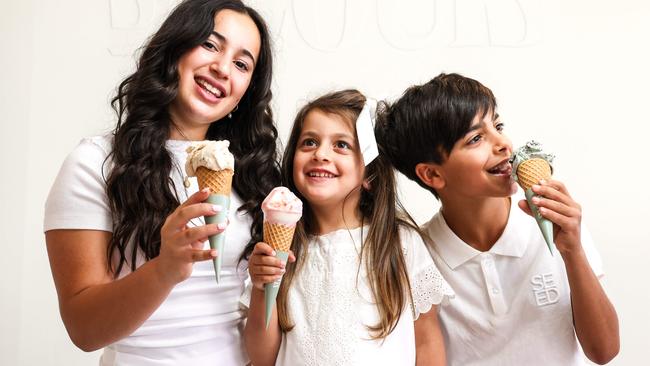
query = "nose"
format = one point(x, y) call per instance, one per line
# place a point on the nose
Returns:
point(221, 66)
point(322, 153)
point(502, 144)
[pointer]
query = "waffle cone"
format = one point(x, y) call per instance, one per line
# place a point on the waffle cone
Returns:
point(531, 171)
point(278, 236)
point(219, 181)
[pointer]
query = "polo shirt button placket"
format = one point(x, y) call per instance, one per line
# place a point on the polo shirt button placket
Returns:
point(493, 284)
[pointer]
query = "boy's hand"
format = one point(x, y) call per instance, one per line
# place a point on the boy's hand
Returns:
point(566, 214)
point(264, 267)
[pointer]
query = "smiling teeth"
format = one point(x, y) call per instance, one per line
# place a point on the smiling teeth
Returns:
point(321, 175)
point(501, 168)
point(207, 86)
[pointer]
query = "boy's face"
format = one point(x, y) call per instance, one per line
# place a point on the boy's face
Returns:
point(478, 164)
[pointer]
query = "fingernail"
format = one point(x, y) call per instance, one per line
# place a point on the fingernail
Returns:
point(273, 253)
point(282, 271)
point(213, 253)
point(536, 200)
point(205, 190)
point(217, 208)
point(222, 226)
point(535, 187)
point(542, 181)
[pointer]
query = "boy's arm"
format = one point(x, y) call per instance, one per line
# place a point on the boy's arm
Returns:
point(429, 344)
point(262, 344)
point(594, 317)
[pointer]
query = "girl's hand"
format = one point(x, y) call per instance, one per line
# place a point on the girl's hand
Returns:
point(182, 245)
point(566, 214)
point(264, 267)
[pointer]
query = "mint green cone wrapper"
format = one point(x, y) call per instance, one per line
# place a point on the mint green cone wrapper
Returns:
point(217, 241)
point(271, 290)
point(545, 225)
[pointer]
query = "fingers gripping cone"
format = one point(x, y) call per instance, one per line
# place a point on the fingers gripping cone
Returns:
point(279, 237)
point(282, 210)
point(530, 172)
point(530, 166)
point(220, 183)
point(214, 166)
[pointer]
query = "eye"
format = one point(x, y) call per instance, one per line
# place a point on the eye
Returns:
point(475, 139)
point(211, 46)
point(241, 65)
point(343, 145)
point(500, 126)
point(308, 142)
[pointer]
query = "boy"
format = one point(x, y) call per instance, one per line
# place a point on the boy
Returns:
point(515, 304)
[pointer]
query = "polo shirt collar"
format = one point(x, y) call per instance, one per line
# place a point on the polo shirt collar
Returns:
point(456, 252)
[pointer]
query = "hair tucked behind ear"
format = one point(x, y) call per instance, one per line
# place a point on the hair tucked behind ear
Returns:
point(382, 250)
point(141, 193)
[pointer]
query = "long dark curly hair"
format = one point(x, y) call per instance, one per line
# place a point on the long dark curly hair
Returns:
point(140, 190)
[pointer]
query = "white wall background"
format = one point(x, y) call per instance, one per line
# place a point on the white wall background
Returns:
point(573, 74)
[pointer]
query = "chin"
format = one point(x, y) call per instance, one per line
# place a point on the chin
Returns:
point(513, 189)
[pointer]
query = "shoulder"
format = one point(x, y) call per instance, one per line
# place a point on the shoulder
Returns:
point(89, 152)
point(77, 198)
point(88, 158)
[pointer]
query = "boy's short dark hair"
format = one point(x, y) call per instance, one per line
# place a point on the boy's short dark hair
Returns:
point(426, 122)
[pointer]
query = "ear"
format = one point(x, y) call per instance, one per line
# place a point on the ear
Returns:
point(430, 174)
point(366, 184)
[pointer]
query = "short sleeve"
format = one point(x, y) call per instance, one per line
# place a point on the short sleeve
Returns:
point(77, 199)
point(428, 287)
point(594, 258)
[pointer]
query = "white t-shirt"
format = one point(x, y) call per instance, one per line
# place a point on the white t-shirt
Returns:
point(512, 304)
point(200, 322)
point(331, 306)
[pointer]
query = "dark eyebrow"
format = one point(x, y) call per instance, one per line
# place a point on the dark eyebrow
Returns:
point(336, 136)
point(495, 117)
point(223, 39)
point(475, 127)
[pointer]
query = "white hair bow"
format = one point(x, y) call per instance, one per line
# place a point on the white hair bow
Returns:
point(366, 131)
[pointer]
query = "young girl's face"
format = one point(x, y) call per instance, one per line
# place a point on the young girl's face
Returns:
point(478, 164)
point(214, 76)
point(327, 165)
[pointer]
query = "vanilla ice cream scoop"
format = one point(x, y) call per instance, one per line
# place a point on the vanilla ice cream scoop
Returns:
point(282, 207)
point(213, 155)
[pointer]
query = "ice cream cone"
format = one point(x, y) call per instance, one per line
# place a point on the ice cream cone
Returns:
point(279, 237)
point(219, 182)
point(530, 166)
point(282, 209)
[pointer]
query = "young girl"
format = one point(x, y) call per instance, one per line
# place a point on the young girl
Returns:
point(128, 259)
point(363, 290)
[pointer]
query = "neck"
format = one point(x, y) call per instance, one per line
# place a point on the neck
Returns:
point(332, 218)
point(477, 222)
point(181, 130)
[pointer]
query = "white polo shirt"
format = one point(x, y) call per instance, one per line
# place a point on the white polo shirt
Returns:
point(512, 304)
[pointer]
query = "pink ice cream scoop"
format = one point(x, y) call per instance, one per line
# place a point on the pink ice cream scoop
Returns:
point(282, 210)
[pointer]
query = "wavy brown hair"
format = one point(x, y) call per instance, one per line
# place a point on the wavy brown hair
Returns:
point(378, 205)
point(141, 193)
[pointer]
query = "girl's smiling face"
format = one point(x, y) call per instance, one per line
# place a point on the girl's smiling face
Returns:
point(214, 76)
point(327, 166)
